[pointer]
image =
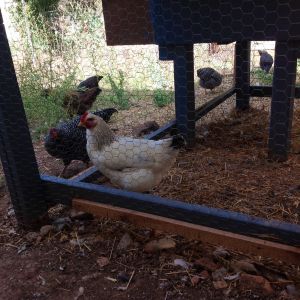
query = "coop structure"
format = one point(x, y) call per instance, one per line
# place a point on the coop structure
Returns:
point(175, 26)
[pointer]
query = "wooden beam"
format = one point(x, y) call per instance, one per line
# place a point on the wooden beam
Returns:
point(232, 241)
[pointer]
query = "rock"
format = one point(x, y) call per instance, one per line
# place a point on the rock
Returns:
point(10, 212)
point(46, 229)
point(80, 215)
point(62, 223)
point(22, 248)
point(102, 261)
point(161, 244)
point(123, 277)
point(255, 283)
point(125, 242)
point(32, 236)
point(79, 293)
point(184, 278)
point(221, 252)
point(206, 264)
point(219, 274)
point(195, 280)
point(243, 266)
point(220, 284)
point(293, 291)
point(145, 128)
point(204, 275)
point(182, 263)
point(164, 284)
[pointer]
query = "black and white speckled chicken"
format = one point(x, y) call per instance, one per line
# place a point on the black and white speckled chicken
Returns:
point(68, 141)
point(266, 60)
point(209, 78)
point(90, 82)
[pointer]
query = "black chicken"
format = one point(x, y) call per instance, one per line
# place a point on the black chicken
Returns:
point(266, 60)
point(90, 82)
point(209, 78)
point(68, 141)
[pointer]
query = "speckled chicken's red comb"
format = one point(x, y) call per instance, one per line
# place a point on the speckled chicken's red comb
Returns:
point(83, 117)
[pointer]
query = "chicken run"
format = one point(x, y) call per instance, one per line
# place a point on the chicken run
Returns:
point(181, 151)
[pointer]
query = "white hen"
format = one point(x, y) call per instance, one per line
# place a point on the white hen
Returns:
point(132, 164)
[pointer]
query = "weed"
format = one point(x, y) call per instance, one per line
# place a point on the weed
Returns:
point(118, 94)
point(263, 77)
point(162, 97)
point(43, 108)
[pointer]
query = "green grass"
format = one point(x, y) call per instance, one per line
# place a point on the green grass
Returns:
point(43, 112)
point(263, 77)
point(162, 97)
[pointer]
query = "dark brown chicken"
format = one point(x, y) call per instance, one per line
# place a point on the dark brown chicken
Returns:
point(78, 102)
point(90, 82)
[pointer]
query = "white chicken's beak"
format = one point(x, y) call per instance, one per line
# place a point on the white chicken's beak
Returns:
point(81, 124)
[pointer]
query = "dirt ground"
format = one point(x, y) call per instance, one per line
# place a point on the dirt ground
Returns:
point(82, 258)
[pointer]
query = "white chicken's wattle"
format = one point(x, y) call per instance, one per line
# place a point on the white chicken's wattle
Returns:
point(132, 164)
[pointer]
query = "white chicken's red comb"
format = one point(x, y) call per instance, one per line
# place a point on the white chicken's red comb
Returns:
point(83, 117)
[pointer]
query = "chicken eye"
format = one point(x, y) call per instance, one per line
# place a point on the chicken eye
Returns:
point(90, 119)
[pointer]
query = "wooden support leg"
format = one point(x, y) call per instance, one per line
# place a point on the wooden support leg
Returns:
point(283, 93)
point(184, 92)
point(17, 155)
point(242, 74)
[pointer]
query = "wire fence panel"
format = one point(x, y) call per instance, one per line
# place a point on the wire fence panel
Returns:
point(196, 76)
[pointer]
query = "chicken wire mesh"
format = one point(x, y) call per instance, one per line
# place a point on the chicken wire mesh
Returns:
point(134, 92)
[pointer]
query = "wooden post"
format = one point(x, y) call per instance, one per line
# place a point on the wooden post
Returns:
point(283, 94)
point(242, 74)
point(17, 154)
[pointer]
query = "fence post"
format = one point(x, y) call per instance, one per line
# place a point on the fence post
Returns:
point(184, 92)
point(283, 93)
point(242, 74)
point(17, 154)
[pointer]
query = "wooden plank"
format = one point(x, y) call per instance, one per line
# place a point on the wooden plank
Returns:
point(232, 241)
point(63, 191)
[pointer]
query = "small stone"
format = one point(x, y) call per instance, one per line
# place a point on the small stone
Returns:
point(80, 215)
point(46, 229)
point(206, 264)
point(220, 284)
point(123, 277)
point(195, 280)
point(185, 279)
point(243, 266)
point(181, 263)
point(255, 283)
point(164, 284)
point(10, 212)
point(79, 293)
point(62, 223)
point(102, 261)
point(219, 274)
point(221, 252)
point(125, 242)
point(204, 275)
point(32, 236)
point(292, 290)
point(161, 244)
